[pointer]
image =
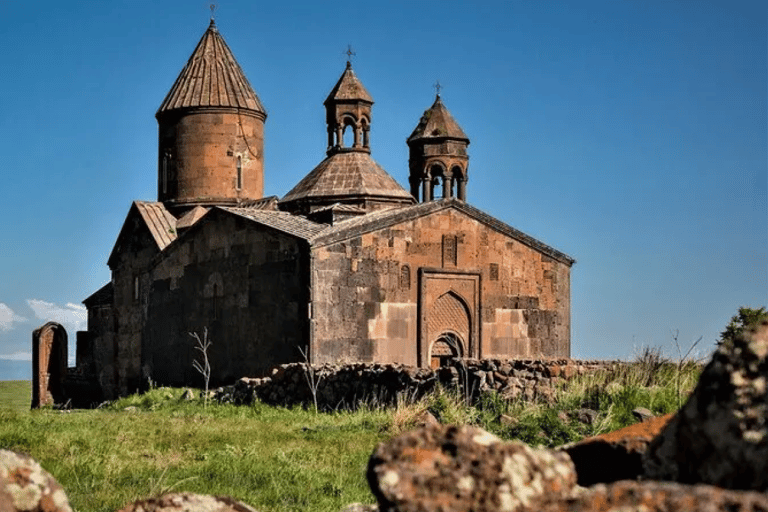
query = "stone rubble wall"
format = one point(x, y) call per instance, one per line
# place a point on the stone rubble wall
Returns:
point(348, 385)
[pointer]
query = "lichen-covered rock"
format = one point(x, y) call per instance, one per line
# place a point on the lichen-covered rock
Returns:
point(720, 436)
point(25, 486)
point(187, 502)
point(453, 469)
point(359, 507)
point(631, 496)
point(617, 455)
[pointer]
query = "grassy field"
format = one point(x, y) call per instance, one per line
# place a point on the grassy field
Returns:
point(278, 459)
point(15, 394)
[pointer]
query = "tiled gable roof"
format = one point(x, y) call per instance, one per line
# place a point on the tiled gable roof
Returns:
point(294, 225)
point(211, 78)
point(159, 222)
point(104, 296)
point(437, 122)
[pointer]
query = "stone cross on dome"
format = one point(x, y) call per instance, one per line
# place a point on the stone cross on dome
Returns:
point(437, 87)
point(349, 53)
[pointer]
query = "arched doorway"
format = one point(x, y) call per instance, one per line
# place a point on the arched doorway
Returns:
point(447, 346)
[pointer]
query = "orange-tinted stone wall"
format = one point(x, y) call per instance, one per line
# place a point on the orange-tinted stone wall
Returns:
point(198, 157)
point(372, 295)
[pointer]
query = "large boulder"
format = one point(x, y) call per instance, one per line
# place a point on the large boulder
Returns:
point(720, 436)
point(187, 502)
point(454, 469)
point(617, 455)
point(27, 487)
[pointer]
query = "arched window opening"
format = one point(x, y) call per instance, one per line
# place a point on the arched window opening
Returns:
point(447, 346)
point(437, 188)
point(239, 173)
point(349, 133)
point(164, 173)
point(366, 131)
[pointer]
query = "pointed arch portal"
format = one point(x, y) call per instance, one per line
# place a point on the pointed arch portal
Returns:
point(449, 313)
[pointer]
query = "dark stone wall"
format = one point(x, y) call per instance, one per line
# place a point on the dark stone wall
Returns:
point(245, 284)
point(133, 258)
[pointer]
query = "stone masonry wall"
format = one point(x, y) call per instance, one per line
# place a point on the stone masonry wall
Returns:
point(245, 284)
point(198, 152)
point(516, 298)
point(346, 386)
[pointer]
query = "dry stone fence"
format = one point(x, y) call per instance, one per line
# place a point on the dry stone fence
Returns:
point(346, 386)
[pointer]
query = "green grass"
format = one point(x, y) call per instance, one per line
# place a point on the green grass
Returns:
point(271, 458)
point(279, 459)
point(15, 395)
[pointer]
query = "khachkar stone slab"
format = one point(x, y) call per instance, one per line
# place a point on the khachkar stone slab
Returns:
point(49, 364)
point(720, 436)
point(453, 469)
point(25, 486)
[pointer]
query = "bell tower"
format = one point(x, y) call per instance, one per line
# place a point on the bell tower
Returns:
point(211, 132)
point(438, 156)
point(348, 107)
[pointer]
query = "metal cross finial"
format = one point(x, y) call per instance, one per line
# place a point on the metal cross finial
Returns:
point(349, 53)
point(437, 87)
point(213, 9)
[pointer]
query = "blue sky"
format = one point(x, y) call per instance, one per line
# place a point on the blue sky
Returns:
point(629, 135)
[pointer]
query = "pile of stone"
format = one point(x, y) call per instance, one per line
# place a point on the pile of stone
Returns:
point(711, 455)
point(346, 386)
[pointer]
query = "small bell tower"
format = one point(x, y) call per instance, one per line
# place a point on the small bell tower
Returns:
point(348, 107)
point(438, 155)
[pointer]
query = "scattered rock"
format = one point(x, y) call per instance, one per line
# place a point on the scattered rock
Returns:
point(508, 421)
point(720, 436)
point(642, 414)
point(586, 416)
point(131, 408)
point(27, 487)
point(628, 496)
point(187, 395)
point(359, 507)
point(187, 502)
point(452, 469)
point(616, 455)
point(425, 418)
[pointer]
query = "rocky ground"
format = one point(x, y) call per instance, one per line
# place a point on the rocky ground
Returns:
point(711, 455)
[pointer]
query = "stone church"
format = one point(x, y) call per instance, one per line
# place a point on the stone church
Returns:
point(347, 266)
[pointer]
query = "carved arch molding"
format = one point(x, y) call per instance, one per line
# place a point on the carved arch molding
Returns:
point(449, 302)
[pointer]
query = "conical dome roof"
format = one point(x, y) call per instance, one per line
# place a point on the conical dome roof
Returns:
point(211, 78)
point(347, 175)
point(437, 122)
point(348, 88)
